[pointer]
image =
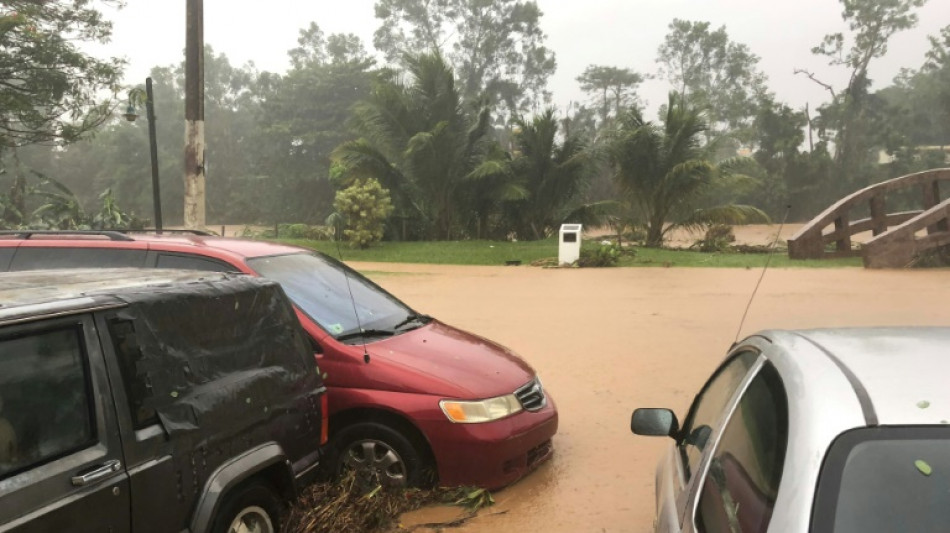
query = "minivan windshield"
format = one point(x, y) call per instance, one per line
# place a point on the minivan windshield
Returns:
point(885, 479)
point(321, 287)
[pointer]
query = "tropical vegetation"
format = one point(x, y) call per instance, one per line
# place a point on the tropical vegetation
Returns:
point(664, 170)
point(448, 110)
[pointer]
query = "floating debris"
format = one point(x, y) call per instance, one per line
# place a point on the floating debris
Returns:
point(923, 467)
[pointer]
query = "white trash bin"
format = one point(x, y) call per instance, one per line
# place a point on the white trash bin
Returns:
point(569, 244)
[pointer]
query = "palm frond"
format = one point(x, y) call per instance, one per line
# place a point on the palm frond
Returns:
point(726, 214)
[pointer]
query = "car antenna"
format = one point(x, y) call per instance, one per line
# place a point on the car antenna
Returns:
point(762, 275)
point(349, 289)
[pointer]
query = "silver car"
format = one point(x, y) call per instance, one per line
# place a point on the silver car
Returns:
point(838, 430)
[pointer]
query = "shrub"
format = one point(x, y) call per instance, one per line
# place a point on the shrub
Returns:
point(718, 238)
point(304, 231)
point(601, 256)
point(364, 206)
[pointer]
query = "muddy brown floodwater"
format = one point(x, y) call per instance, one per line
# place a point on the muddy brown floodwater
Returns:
point(607, 340)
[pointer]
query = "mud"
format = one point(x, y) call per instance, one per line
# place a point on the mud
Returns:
point(608, 340)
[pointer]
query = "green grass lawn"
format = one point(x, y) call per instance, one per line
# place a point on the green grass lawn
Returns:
point(499, 252)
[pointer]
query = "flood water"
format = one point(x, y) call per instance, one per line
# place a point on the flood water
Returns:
point(608, 340)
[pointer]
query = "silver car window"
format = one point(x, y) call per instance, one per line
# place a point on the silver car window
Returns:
point(707, 410)
point(742, 481)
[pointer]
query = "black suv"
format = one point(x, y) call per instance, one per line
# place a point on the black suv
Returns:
point(152, 400)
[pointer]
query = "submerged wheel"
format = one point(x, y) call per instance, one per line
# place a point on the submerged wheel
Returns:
point(253, 509)
point(379, 455)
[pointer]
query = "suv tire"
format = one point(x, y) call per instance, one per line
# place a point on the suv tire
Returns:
point(379, 454)
point(256, 505)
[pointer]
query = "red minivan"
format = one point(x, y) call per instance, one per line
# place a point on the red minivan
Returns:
point(411, 400)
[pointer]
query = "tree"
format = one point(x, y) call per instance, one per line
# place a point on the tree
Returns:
point(553, 175)
point(847, 119)
point(50, 91)
point(421, 142)
point(364, 206)
point(304, 117)
point(714, 73)
point(663, 171)
point(938, 65)
point(611, 85)
point(497, 46)
point(921, 98)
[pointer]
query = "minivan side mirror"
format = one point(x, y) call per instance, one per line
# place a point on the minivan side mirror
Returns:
point(654, 422)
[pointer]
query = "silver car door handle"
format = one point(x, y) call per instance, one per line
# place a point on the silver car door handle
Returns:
point(110, 467)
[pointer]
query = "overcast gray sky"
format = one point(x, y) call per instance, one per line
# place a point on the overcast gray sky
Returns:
point(623, 33)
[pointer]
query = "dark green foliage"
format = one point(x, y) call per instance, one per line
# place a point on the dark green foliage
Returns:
point(304, 231)
point(714, 74)
point(552, 173)
point(268, 137)
point(856, 120)
point(45, 203)
point(51, 90)
point(664, 173)
point(599, 256)
point(420, 141)
point(303, 117)
point(497, 46)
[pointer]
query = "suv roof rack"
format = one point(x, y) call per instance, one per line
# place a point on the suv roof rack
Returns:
point(113, 235)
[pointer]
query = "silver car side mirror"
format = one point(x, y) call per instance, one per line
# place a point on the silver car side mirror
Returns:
point(654, 422)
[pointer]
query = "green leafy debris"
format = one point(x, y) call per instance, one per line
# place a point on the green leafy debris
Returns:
point(923, 404)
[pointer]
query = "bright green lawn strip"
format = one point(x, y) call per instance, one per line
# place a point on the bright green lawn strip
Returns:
point(439, 252)
point(498, 252)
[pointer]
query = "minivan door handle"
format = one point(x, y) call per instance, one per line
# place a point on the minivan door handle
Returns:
point(104, 471)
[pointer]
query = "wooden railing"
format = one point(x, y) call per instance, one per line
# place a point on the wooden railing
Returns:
point(895, 240)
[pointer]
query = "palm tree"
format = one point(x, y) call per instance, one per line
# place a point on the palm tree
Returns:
point(420, 142)
point(553, 175)
point(663, 172)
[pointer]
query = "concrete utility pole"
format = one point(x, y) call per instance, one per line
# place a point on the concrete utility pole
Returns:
point(195, 117)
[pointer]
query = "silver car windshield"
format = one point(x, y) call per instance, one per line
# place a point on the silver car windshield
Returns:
point(332, 294)
point(886, 479)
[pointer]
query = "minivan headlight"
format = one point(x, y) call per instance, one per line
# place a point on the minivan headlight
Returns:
point(465, 412)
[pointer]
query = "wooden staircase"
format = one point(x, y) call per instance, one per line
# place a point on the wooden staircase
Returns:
point(898, 237)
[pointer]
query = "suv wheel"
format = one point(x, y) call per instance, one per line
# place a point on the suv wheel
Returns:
point(252, 509)
point(379, 455)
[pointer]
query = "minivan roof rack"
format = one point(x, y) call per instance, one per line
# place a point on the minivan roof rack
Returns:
point(113, 235)
point(174, 231)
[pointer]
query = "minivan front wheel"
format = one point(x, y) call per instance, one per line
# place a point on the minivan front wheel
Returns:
point(378, 455)
point(253, 509)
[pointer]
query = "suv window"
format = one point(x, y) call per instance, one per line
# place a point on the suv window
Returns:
point(44, 398)
point(742, 482)
point(28, 258)
point(707, 409)
point(137, 387)
point(187, 262)
point(885, 479)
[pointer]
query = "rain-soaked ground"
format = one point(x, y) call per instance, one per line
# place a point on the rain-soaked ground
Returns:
point(607, 340)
